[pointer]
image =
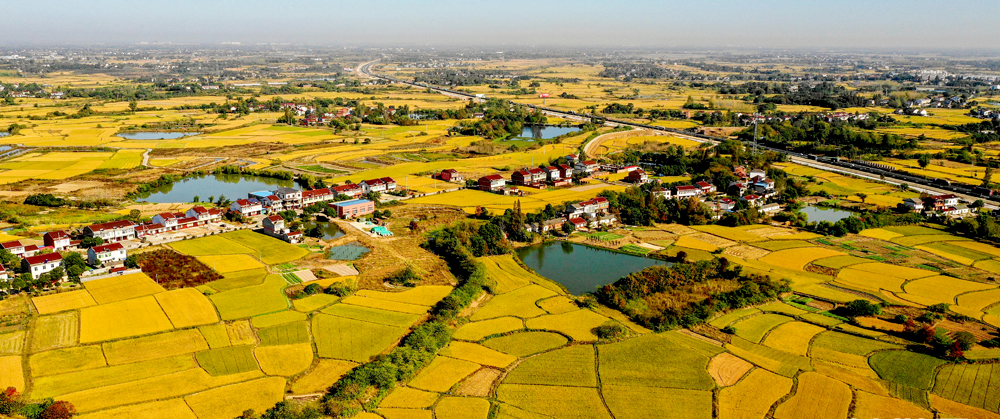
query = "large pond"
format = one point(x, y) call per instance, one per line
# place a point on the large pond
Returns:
point(545, 132)
point(581, 268)
point(155, 135)
point(816, 214)
point(330, 230)
point(232, 186)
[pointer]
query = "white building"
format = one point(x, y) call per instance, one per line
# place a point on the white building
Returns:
point(41, 264)
point(112, 231)
point(107, 253)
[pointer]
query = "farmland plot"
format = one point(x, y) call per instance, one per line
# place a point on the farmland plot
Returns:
point(817, 397)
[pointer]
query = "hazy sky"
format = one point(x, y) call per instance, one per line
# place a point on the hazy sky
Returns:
point(697, 23)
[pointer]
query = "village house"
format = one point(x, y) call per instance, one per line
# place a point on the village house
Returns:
point(450, 175)
point(351, 189)
point(247, 207)
point(112, 231)
point(553, 174)
point(291, 197)
point(770, 208)
point(604, 220)
point(316, 195)
point(912, 205)
point(662, 192)
point(566, 171)
point(752, 200)
point(705, 187)
point(204, 215)
point(57, 240)
point(521, 177)
point(272, 204)
point(105, 254)
point(353, 208)
point(946, 200)
point(274, 226)
point(149, 229)
point(15, 247)
point(3, 274)
point(686, 191)
point(595, 205)
point(956, 211)
point(736, 189)
point(586, 167)
point(41, 264)
point(578, 223)
point(552, 225)
point(637, 176)
point(727, 204)
point(378, 185)
point(538, 175)
point(756, 173)
point(491, 183)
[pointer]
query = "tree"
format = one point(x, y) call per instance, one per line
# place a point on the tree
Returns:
point(60, 409)
point(133, 105)
point(861, 307)
point(924, 160)
point(74, 264)
point(130, 262)
point(568, 227)
point(862, 196)
point(9, 260)
point(196, 199)
point(89, 242)
point(965, 339)
point(988, 176)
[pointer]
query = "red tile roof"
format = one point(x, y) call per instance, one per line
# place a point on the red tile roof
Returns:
point(40, 259)
point(111, 225)
point(10, 244)
point(493, 177)
point(275, 218)
point(58, 234)
point(110, 247)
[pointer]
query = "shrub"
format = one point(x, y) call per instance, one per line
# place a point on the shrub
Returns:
point(609, 331)
point(861, 307)
point(966, 340)
point(938, 308)
point(340, 289)
point(900, 318)
point(730, 330)
point(312, 289)
point(405, 277)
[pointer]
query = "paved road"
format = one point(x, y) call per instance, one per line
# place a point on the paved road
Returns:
point(366, 69)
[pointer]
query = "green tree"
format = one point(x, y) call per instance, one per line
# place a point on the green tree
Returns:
point(196, 199)
point(89, 242)
point(133, 105)
point(924, 160)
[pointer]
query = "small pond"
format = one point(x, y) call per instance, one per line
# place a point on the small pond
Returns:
point(350, 251)
point(582, 268)
point(232, 186)
point(155, 135)
point(545, 132)
point(330, 230)
point(816, 214)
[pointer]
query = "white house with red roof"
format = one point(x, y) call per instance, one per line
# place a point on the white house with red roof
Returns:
point(538, 175)
point(105, 254)
point(247, 207)
point(578, 223)
point(316, 196)
point(112, 231)
point(351, 189)
point(41, 264)
point(291, 197)
point(274, 226)
point(586, 166)
point(686, 191)
point(566, 171)
point(706, 187)
point(15, 247)
point(149, 229)
point(727, 204)
point(450, 175)
point(386, 184)
point(491, 183)
point(3, 274)
point(637, 176)
point(168, 219)
point(57, 240)
point(204, 215)
point(752, 199)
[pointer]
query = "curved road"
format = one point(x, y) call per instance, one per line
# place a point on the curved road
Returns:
point(366, 69)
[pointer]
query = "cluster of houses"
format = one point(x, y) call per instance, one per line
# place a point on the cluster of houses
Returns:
point(947, 204)
point(284, 198)
point(592, 213)
point(539, 177)
point(37, 263)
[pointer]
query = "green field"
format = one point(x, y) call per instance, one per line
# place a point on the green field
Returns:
point(252, 301)
point(274, 319)
point(373, 315)
point(270, 250)
point(228, 360)
point(905, 367)
point(850, 344)
point(284, 334)
point(526, 343)
point(571, 366)
point(655, 361)
point(755, 328)
point(972, 384)
point(353, 340)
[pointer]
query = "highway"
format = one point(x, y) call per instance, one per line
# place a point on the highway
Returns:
point(914, 182)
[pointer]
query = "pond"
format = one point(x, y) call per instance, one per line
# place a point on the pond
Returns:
point(350, 251)
point(832, 215)
point(330, 230)
point(545, 132)
point(155, 135)
point(582, 268)
point(232, 186)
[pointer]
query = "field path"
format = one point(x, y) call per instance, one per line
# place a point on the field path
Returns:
point(146, 157)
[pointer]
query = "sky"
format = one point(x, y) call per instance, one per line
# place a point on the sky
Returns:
point(840, 24)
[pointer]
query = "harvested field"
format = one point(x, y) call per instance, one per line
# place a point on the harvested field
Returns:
point(56, 385)
point(478, 384)
point(239, 279)
point(118, 288)
point(284, 360)
point(481, 329)
point(838, 262)
point(571, 366)
point(754, 328)
point(793, 337)
point(676, 229)
point(211, 245)
point(240, 333)
point(774, 360)
point(322, 376)
point(519, 303)
point(553, 401)
point(654, 361)
point(228, 360)
point(55, 331)
point(728, 318)
point(12, 343)
point(693, 243)
point(970, 384)
point(727, 369)
point(156, 346)
point(409, 398)
point(817, 397)
point(229, 263)
point(374, 315)
point(752, 397)
point(629, 402)
point(858, 364)
point(783, 308)
point(949, 408)
point(462, 408)
point(176, 270)
point(745, 252)
point(906, 367)
point(187, 307)
point(54, 303)
point(575, 324)
point(844, 374)
point(104, 321)
point(775, 245)
point(385, 304)
point(230, 401)
point(443, 373)
point(873, 406)
point(351, 340)
point(61, 361)
point(526, 343)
